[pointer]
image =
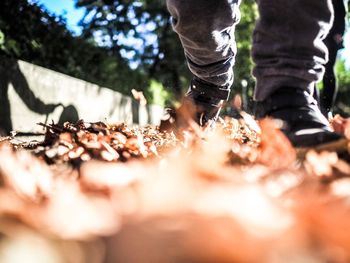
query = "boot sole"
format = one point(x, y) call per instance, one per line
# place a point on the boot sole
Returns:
point(338, 146)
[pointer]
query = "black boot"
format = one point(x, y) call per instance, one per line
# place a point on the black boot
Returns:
point(206, 99)
point(202, 103)
point(304, 124)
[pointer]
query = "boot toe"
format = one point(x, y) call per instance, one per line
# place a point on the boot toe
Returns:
point(305, 125)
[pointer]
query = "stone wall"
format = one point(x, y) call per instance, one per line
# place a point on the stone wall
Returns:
point(30, 94)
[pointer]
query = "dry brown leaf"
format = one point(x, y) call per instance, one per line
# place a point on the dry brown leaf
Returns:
point(173, 199)
point(138, 95)
point(321, 164)
point(29, 177)
point(341, 125)
point(276, 151)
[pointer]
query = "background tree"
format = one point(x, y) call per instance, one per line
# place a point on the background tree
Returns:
point(141, 31)
point(342, 104)
point(124, 45)
point(244, 81)
point(43, 39)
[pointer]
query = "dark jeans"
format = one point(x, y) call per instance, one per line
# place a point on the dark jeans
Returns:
point(287, 42)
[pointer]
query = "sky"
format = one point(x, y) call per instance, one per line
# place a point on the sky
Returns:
point(67, 9)
point(73, 15)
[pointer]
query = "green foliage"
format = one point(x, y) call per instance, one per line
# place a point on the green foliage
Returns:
point(142, 30)
point(163, 58)
point(136, 33)
point(343, 78)
point(43, 39)
point(157, 93)
point(244, 64)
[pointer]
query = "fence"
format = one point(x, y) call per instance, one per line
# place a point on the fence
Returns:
point(30, 94)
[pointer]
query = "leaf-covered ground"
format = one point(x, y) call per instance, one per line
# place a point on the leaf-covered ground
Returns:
point(95, 192)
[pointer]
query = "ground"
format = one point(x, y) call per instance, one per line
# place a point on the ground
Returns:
point(97, 192)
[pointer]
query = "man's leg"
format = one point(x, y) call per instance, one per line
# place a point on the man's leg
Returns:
point(206, 30)
point(287, 44)
point(289, 54)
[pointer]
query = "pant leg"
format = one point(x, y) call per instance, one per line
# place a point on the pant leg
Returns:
point(287, 44)
point(206, 30)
